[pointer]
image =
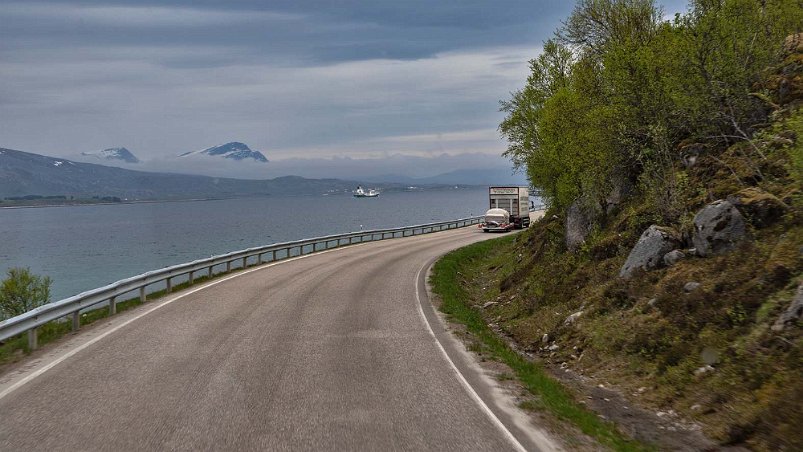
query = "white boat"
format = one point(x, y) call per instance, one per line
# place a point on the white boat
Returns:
point(362, 193)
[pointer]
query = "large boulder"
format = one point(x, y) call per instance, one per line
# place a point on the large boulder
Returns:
point(718, 228)
point(648, 254)
point(579, 222)
point(792, 313)
point(760, 207)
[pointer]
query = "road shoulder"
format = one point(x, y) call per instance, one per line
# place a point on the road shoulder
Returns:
point(499, 400)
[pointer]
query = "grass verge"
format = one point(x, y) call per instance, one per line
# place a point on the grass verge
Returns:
point(553, 397)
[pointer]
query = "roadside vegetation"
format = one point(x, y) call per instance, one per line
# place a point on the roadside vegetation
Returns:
point(669, 262)
point(22, 291)
point(456, 302)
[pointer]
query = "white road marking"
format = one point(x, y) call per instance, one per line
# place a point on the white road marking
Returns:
point(471, 392)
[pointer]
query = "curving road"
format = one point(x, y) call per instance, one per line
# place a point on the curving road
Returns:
point(326, 352)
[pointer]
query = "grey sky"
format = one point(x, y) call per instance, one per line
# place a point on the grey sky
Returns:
point(294, 79)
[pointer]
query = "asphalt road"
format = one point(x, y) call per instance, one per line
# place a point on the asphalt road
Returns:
point(326, 352)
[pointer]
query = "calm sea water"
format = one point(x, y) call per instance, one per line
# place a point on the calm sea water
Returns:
point(85, 247)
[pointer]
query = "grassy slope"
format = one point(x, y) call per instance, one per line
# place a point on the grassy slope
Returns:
point(648, 332)
point(551, 395)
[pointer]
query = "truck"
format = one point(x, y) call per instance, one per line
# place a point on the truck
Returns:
point(515, 200)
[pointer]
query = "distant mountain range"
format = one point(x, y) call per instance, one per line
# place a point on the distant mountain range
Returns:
point(24, 173)
point(121, 154)
point(233, 151)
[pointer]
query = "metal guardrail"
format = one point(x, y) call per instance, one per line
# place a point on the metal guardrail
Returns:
point(72, 306)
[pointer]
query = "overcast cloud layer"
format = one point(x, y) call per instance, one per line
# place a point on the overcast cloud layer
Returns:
point(293, 79)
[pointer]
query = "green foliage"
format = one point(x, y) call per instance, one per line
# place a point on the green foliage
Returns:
point(22, 291)
point(619, 90)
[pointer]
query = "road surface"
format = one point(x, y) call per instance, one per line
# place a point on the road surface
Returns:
point(332, 351)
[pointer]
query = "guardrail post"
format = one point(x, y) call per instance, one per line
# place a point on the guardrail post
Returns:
point(142, 297)
point(244, 263)
point(76, 320)
point(273, 255)
point(33, 339)
point(192, 278)
point(228, 266)
point(169, 287)
point(259, 258)
point(112, 305)
point(210, 272)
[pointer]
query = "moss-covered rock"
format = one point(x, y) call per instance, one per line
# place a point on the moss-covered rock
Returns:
point(759, 207)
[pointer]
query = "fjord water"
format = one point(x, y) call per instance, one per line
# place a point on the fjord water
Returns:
point(85, 247)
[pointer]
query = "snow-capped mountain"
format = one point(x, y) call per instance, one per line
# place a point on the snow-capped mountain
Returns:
point(122, 154)
point(234, 151)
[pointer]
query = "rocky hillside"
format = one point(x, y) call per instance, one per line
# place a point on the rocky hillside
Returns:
point(694, 316)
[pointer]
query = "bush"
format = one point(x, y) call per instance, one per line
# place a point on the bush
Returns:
point(22, 291)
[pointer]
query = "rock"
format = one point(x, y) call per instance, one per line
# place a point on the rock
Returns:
point(651, 302)
point(718, 228)
point(649, 250)
point(572, 318)
point(545, 338)
point(793, 43)
point(696, 407)
point(760, 207)
point(579, 221)
point(691, 286)
point(690, 153)
point(703, 370)
point(489, 304)
point(622, 189)
point(792, 313)
point(673, 257)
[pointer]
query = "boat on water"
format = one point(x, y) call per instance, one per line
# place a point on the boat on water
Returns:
point(362, 193)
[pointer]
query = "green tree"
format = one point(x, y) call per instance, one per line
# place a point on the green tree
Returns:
point(22, 291)
point(619, 89)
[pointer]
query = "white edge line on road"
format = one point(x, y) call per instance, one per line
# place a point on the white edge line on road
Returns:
point(471, 392)
point(72, 352)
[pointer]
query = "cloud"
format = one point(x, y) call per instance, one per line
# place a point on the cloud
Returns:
point(383, 168)
point(312, 80)
point(140, 16)
point(349, 107)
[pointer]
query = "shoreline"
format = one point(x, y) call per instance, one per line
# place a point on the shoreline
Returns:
point(156, 201)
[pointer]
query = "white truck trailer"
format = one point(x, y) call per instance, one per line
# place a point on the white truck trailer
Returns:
point(516, 200)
